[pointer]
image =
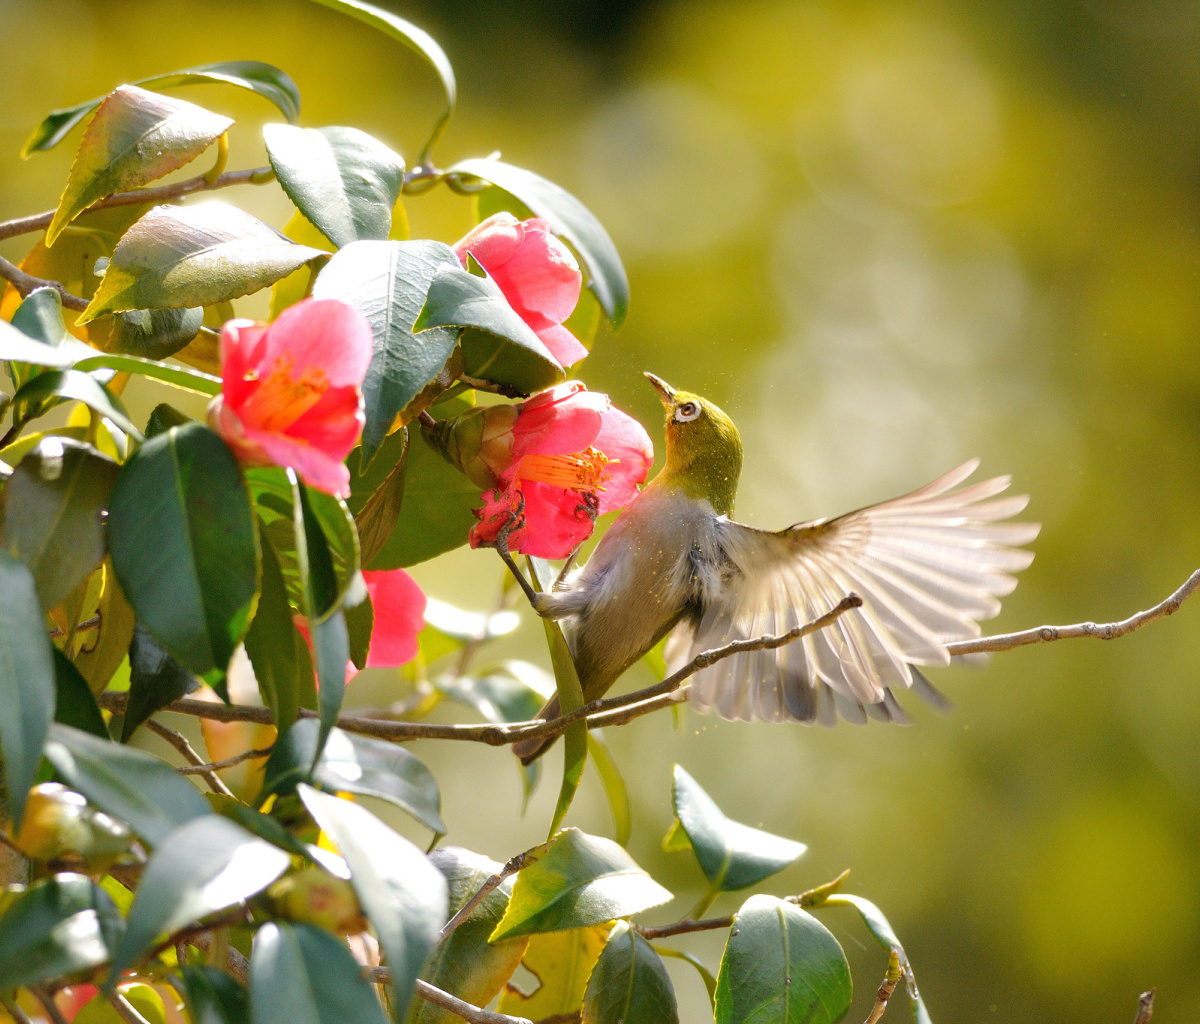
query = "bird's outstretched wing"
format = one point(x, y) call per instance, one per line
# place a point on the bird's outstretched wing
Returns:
point(927, 565)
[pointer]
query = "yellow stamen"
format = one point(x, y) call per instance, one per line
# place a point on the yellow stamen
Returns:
point(281, 397)
point(583, 471)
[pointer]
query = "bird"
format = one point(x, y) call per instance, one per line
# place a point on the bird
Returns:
point(928, 566)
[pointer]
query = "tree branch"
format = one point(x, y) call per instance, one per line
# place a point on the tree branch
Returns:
point(513, 865)
point(685, 926)
point(229, 762)
point(1102, 631)
point(175, 190)
point(125, 1008)
point(25, 283)
point(890, 980)
point(1145, 1008)
point(180, 743)
point(459, 1007)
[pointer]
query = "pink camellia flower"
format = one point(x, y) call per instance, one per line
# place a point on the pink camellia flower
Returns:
point(537, 274)
point(567, 452)
point(290, 390)
point(398, 605)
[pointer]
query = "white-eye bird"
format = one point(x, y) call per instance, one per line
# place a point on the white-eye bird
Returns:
point(928, 566)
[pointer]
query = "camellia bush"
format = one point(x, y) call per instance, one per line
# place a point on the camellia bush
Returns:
point(344, 440)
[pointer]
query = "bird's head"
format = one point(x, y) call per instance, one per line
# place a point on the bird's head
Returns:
point(704, 449)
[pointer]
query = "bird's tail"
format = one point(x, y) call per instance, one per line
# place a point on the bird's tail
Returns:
point(530, 750)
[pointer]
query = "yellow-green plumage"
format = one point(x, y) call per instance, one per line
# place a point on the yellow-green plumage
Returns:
point(928, 565)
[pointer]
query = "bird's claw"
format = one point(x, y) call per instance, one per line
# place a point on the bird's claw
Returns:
point(589, 505)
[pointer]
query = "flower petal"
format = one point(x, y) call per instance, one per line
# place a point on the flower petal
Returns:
point(324, 334)
point(492, 242)
point(316, 468)
point(555, 522)
point(563, 345)
point(333, 424)
point(631, 453)
point(399, 607)
point(541, 279)
point(562, 420)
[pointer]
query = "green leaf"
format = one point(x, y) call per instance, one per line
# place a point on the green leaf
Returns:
point(732, 855)
point(60, 926)
point(182, 377)
point(377, 492)
point(343, 180)
point(300, 974)
point(135, 137)
point(154, 333)
point(402, 894)
point(781, 966)
point(26, 682)
point(213, 997)
point(205, 865)
point(437, 512)
point(76, 385)
point(52, 514)
point(562, 962)
point(185, 256)
point(334, 540)
point(387, 282)
point(502, 348)
point(570, 698)
point(74, 704)
point(277, 651)
point(577, 880)
point(497, 695)
point(131, 785)
point(355, 764)
point(629, 984)
point(569, 218)
point(162, 418)
point(155, 680)
point(466, 964)
point(614, 785)
point(879, 927)
point(261, 78)
point(710, 983)
point(34, 338)
point(416, 39)
point(184, 546)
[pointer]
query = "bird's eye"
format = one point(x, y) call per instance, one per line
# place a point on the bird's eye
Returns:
point(687, 412)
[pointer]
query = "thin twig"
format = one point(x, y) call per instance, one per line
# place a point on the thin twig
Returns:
point(574, 1017)
point(1101, 631)
point(890, 980)
point(175, 190)
point(25, 283)
point(53, 1013)
point(125, 1009)
point(180, 743)
point(14, 1011)
point(685, 926)
point(513, 865)
point(1145, 1007)
point(229, 762)
point(459, 1007)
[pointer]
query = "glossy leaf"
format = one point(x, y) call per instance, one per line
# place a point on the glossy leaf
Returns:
point(569, 218)
point(101, 655)
point(732, 855)
point(343, 180)
point(183, 542)
point(466, 964)
point(162, 418)
point(562, 963)
point(355, 764)
point(377, 493)
point(402, 894)
point(185, 256)
point(570, 698)
point(155, 680)
point(287, 291)
point(77, 385)
point(154, 333)
point(74, 704)
point(135, 137)
point(52, 514)
point(60, 926)
point(277, 651)
point(26, 682)
point(577, 880)
point(437, 512)
point(204, 866)
point(300, 974)
point(416, 39)
point(213, 997)
point(614, 785)
point(629, 984)
point(131, 785)
point(182, 377)
point(781, 966)
point(261, 78)
point(387, 282)
point(502, 347)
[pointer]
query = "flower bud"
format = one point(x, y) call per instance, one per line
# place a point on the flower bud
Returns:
point(58, 821)
point(314, 896)
point(480, 442)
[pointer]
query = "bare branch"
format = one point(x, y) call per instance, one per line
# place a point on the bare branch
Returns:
point(1101, 631)
point(25, 283)
point(180, 743)
point(53, 1013)
point(229, 762)
point(125, 1008)
point(14, 1011)
point(890, 980)
point(513, 865)
point(1145, 1008)
point(684, 927)
point(162, 193)
point(459, 1007)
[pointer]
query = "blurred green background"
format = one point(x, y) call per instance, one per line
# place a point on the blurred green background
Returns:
point(885, 236)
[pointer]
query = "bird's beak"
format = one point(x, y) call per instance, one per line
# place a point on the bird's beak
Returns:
point(665, 391)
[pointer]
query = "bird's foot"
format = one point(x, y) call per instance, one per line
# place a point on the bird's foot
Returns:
point(589, 506)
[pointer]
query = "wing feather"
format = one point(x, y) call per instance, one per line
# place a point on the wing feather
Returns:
point(929, 566)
